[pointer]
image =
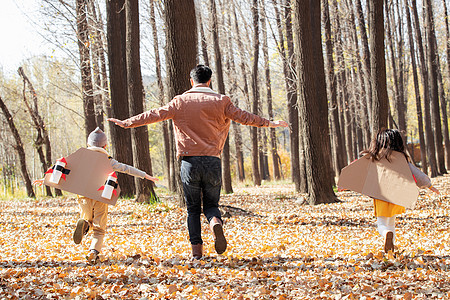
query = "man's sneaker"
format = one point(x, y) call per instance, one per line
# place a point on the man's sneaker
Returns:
point(389, 242)
point(92, 257)
point(220, 243)
point(81, 229)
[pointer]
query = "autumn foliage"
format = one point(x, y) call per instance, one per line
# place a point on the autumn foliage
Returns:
point(278, 249)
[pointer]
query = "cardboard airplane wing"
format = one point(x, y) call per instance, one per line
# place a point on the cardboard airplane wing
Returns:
point(87, 173)
point(389, 181)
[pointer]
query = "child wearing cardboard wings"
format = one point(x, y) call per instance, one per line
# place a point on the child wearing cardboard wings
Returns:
point(94, 213)
point(382, 146)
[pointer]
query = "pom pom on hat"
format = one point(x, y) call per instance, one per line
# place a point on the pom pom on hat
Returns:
point(97, 138)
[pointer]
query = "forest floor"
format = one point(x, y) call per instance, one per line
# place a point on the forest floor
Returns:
point(278, 249)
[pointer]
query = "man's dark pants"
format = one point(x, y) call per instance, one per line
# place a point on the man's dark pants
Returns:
point(202, 180)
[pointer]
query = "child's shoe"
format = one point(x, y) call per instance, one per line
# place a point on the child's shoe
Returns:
point(389, 242)
point(81, 230)
point(92, 257)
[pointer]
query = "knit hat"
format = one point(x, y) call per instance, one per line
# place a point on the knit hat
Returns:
point(97, 138)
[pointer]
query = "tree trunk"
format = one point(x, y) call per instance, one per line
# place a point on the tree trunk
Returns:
point(164, 124)
point(429, 137)
point(380, 104)
point(139, 135)
point(360, 98)
point(94, 33)
point(332, 94)
point(433, 80)
point(102, 59)
point(232, 90)
point(366, 58)
point(85, 66)
point(319, 187)
point(323, 129)
point(204, 46)
point(342, 81)
point(121, 139)
point(447, 35)
point(181, 52)
point(255, 93)
point(402, 102)
point(417, 91)
point(226, 171)
point(38, 124)
point(273, 139)
point(291, 93)
point(19, 148)
point(443, 107)
point(389, 39)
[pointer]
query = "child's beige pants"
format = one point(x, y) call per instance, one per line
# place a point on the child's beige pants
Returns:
point(96, 213)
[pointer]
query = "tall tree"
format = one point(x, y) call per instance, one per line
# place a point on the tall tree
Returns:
point(273, 138)
point(19, 148)
point(139, 135)
point(96, 48)
point(291, 90)
point(323, 129)
point(423, 154)
point(360, 98)
point(447, 36)
point(233, 90)
point(429, 137)
point(121, 139)
point(433, 80)
point(181, 51)
point(366, 56)
point(397, 100)
point(255, 92)
point(346, 123)
point(337, 149)
point(380, 103)
point(42, 135)
point(164, 124)
point(319, 187)
point(85, 66)
point(226, 171)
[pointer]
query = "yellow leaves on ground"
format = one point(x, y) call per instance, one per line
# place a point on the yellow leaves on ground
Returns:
point(278, 249)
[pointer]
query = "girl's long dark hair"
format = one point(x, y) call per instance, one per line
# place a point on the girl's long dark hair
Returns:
point(386, 141)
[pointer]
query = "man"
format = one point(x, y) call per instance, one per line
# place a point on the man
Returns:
point(201, 119)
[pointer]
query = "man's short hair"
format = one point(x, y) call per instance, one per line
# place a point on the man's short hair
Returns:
point(201, 74)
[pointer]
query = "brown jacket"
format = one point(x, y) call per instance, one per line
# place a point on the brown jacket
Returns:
point(201, 119)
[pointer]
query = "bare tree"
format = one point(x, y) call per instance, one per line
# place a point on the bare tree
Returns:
point(42, 134)
point(85, 66)
point(429, 137)
point(164, 124)
point(255, 93)
point(416, 90)
point(380, 102)
point(366, 57)
point(121, 139)
point(139, 135)
point(337, 149)
point(321, 91)
point(226, 172)
point(19, 148)
point(297, 169)
point(273, 138)
point(319, 187)
point(433, 80)
point(181, 50)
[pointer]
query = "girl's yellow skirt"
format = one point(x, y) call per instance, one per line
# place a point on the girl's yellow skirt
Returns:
point(386, 209)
